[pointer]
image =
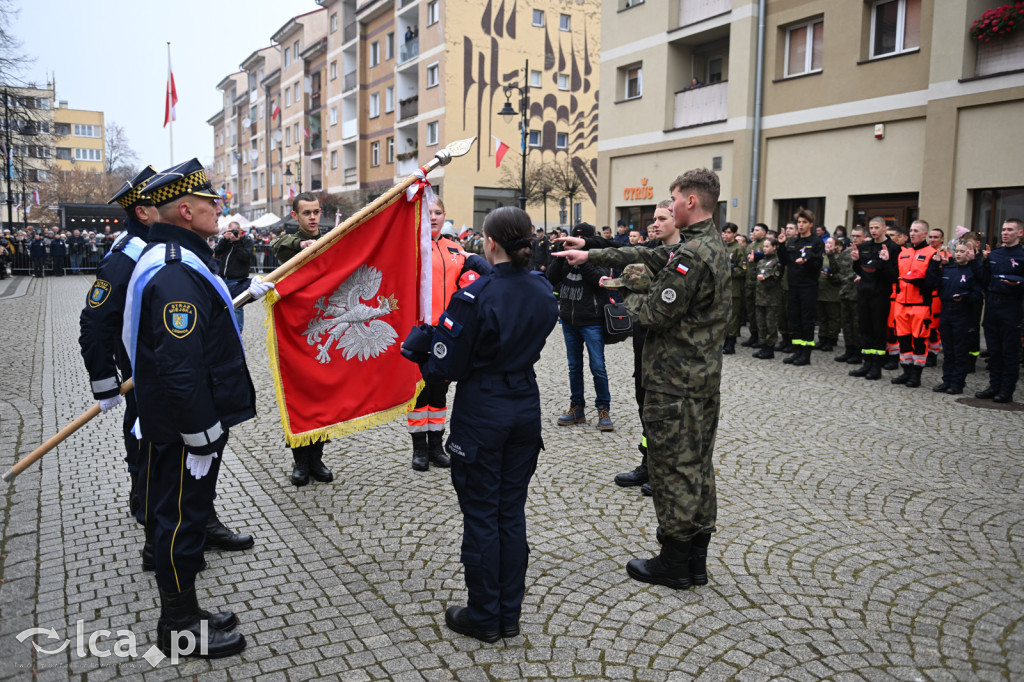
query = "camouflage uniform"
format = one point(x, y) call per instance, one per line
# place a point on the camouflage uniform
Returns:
point(737, 278)
point(685, 312)
point(828, 308)
point(842, 268)
point(767, 299)
point(750, 286)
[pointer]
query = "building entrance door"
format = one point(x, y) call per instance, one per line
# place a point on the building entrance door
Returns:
point(897, 209)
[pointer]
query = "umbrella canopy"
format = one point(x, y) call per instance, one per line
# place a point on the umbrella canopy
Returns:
point(266, 220)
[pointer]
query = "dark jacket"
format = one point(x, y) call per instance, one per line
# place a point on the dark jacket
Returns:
point(38, 248)
point(234, 257)
point(192, 384)
point(960, 288)
point(802, 275)
point(1003, 266)
point(581, 299)
point(876, 275)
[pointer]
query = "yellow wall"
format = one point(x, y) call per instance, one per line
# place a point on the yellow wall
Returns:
point(80, 116)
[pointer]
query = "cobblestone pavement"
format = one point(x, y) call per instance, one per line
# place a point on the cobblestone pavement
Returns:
point(867, 531)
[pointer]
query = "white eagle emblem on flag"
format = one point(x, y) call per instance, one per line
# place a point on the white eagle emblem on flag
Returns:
point(349, 322)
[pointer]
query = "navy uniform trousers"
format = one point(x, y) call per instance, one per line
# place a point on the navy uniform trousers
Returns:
point(1002, 337)
point(501, 412)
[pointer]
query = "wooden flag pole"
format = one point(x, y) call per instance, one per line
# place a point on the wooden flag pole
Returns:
point(441, 158)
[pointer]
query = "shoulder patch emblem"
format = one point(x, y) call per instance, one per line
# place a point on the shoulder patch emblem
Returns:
point(668, 295)
point(682, 269)
point(180, 318)
point(440, 350)
point(99, 293)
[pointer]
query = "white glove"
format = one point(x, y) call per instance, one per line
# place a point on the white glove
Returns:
point(106, 404)
point(199, 465)
point(258, 288)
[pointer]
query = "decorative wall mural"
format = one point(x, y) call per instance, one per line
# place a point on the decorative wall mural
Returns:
point(485, 71)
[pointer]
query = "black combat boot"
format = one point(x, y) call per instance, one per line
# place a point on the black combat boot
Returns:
point(903, 378)
point(218, 536)
point(699, 558)
point(300, 473)
point(766, 352)
point(637, 476)
point(420, 457)
point(180, 612)
point(134, 498)
point(785, 345)
point(891, 362)
point(797, 352)
point(751, 342)
point(915, 377)
point(875, 371)
point(850, 352)
point(435, 449)
point(972, 364)
point(825, 345)
point(148, 563)
point(989, 393)
point(932, 360)
point(671, 568)
point(803, 356)
point(730, 346)
point(646, 490)
point(317, 470)
point(863, 370)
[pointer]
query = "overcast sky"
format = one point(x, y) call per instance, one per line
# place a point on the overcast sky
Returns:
point(111, 56)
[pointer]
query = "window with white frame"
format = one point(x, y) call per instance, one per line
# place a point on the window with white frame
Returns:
point(374, 105)
point(375, 154)
point(562, 140)
point(287, 58)
point(432, 75)
point(295, 51)
point(333, 116)
point(295, 93)
point(432, 133)
point(564, 22)
point(334, 22)
point(86, 130)
point(88, 154)
point(633, 82)
point(535, 78)
point(287, 97)
point(374, 53)
point(389, 46)
point(563, 81)
point(433, 12)
point(538, 17)
point(895, 26)
point(534, 138)
point(804, 48)
point(389, 99)
point(334, 159)
point(287, 137)
point(295, 134)
point(390, 158)
point(334, 69)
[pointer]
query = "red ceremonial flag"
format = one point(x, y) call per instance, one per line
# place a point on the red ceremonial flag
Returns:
point(499, 151)
point(172, 94)
point(336, 326)
point(277, 110)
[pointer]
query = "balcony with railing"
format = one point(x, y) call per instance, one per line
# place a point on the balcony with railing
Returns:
point(350, 31)
point(350, 176)
point(349, 128)
point(408, 108)
point(701, 105)
point(314, 100)
point(350, 81)
point(408, 50)
point(406, 167)
point(694, 11)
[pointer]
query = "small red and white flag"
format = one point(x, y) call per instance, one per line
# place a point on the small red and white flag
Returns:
point(35, 196)
point(305, 132)
point(172, 93)
point(499, 151)
point(448, 322)
point(275, 113)
point(682, 269)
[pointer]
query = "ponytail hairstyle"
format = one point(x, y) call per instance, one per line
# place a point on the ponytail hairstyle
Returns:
point(510, 227)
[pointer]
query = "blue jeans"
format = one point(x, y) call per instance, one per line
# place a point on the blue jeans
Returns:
point(239, 313)
point(592, 336)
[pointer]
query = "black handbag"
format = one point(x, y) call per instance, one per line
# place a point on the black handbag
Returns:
point(618, 326)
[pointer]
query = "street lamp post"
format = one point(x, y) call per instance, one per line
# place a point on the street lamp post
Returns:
point(507, 113)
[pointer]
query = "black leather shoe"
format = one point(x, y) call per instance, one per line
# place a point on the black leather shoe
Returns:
point(941, 388)
point(915, 377)
point(457, 620)
point(891, 363)
point(751, 342)
point(803, 357)
point(792, 358)
point(646, 490)
point(955, 390)
point(218, 536)
point(180, 612)
point(509, 631)
point(435, 450)
point(224, 621)
point(903, 378)
point(699, 558)
point(420, 462)
point(1003, 398)
point(932, 360)
point(636, 477)
point(987, 394)
point(300, 473)
point(671, 568)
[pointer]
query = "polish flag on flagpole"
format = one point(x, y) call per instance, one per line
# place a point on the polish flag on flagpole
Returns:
point(291, 192)
point(499, 151)
point(172, 93)
point(277, 111)
point(35, 196)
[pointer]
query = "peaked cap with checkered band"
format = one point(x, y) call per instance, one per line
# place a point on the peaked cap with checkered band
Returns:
point(185, 178)
point(131, 193)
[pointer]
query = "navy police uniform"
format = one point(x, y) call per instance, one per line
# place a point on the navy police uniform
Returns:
point(488, 340)
point(106, 359)
point(960, 292)
point(1003, 278)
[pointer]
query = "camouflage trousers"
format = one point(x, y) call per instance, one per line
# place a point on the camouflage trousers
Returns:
point(767, 324)
point(849, 315)
point(829, 319)
point(737, 315)
point(680, 443)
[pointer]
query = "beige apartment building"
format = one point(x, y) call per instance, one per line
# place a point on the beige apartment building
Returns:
point(866, 107)
point(79, 139)
point(369, 91)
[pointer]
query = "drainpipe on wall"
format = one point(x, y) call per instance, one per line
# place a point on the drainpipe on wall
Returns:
point(755, 162)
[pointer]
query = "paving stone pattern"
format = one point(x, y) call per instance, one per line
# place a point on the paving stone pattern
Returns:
point(867, 531)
